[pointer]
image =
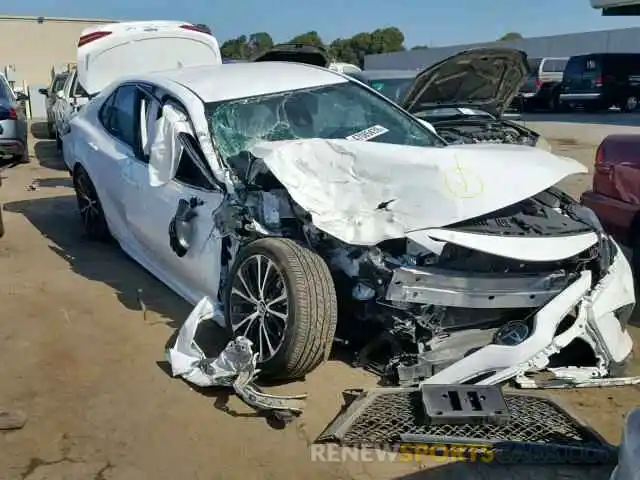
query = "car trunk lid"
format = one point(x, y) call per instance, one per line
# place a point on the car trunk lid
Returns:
point(107, 52)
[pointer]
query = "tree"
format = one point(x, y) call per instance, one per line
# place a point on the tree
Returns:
point(243, 47)
point(259, 43)
point(308, 38)
point(341, 50)
point(235, 48)
point(350, 50)
point(510, 37)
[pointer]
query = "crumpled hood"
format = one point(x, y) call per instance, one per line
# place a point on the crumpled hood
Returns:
point(487, 78)
point(363, 193)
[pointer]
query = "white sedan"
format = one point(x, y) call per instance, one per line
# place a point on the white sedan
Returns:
point(289, 193)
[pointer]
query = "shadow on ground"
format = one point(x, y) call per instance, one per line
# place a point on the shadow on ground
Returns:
point(58, 220)
point(45, 149)
point(483, 471)
point(610, 117)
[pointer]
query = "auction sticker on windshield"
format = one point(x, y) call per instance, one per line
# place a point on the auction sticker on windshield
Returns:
point(368, 133)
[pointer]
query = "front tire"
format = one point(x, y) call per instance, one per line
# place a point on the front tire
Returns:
point(91, 212)
point(281, 296)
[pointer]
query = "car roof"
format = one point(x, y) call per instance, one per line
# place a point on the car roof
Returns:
point(240, 80)
point(385, 74)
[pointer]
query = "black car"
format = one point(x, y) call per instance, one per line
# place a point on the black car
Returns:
point(599, 81)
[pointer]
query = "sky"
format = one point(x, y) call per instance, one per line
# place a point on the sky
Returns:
point(423, 22)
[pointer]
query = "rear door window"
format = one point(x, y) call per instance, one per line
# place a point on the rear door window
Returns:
point(58, 83)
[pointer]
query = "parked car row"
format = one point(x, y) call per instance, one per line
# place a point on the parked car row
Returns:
point(13, 123)
point(594, 82)
point(310, 194)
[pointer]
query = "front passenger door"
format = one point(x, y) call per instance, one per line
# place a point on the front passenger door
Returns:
point(193, 271)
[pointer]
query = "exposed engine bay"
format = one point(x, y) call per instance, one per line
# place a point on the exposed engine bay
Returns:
point(485, 131)
point(414, 311)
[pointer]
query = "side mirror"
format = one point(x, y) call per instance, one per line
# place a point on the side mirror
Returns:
point(43, 91)
point(22, 97)
point(428, 125)
point(60, 94)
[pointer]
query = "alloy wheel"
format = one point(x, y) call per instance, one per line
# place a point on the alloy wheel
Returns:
point(259, 304)
point(87, 202)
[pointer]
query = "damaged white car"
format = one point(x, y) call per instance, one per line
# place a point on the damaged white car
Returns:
point(294, 196)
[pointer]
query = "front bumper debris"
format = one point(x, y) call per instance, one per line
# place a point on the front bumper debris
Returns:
point(234, 367)
point(595, 323)
point(537, 430)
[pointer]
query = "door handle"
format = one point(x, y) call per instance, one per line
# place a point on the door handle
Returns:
point(93, 146)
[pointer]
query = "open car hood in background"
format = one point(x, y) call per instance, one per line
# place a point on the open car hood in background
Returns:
point(296, 52)
point(486, 78)
point(364, 193)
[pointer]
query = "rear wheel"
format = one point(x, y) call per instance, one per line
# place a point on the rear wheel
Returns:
point(58, 143)
point(93, 219)
point(280, 295)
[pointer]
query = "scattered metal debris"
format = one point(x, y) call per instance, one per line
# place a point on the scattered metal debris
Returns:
point(234, 367)
point(530, 383)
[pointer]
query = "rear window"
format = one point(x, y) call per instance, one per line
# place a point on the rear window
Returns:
point(554, 65)
point(577, 66)
point(58, 83)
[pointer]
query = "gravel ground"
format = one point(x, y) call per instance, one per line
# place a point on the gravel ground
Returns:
point(85, 364)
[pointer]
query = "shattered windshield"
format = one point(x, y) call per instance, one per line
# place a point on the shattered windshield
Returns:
point(341, 111)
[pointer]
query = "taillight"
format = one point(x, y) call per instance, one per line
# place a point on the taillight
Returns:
point(538, 84)
point(194, 28)
point(597, 81)
point(599, 154)
point(8, 113)
point(90, 37)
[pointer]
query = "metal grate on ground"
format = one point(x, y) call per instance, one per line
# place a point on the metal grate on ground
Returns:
point(387, 416)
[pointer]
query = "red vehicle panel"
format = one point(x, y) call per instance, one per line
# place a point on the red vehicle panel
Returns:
point(615, 196)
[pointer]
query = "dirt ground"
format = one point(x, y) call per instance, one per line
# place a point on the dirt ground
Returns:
point(81, 358)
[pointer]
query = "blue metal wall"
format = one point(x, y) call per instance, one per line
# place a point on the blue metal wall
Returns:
point(621, 40)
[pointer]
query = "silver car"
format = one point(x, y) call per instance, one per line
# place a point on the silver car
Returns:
point(13, 122)
point(51, 93)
